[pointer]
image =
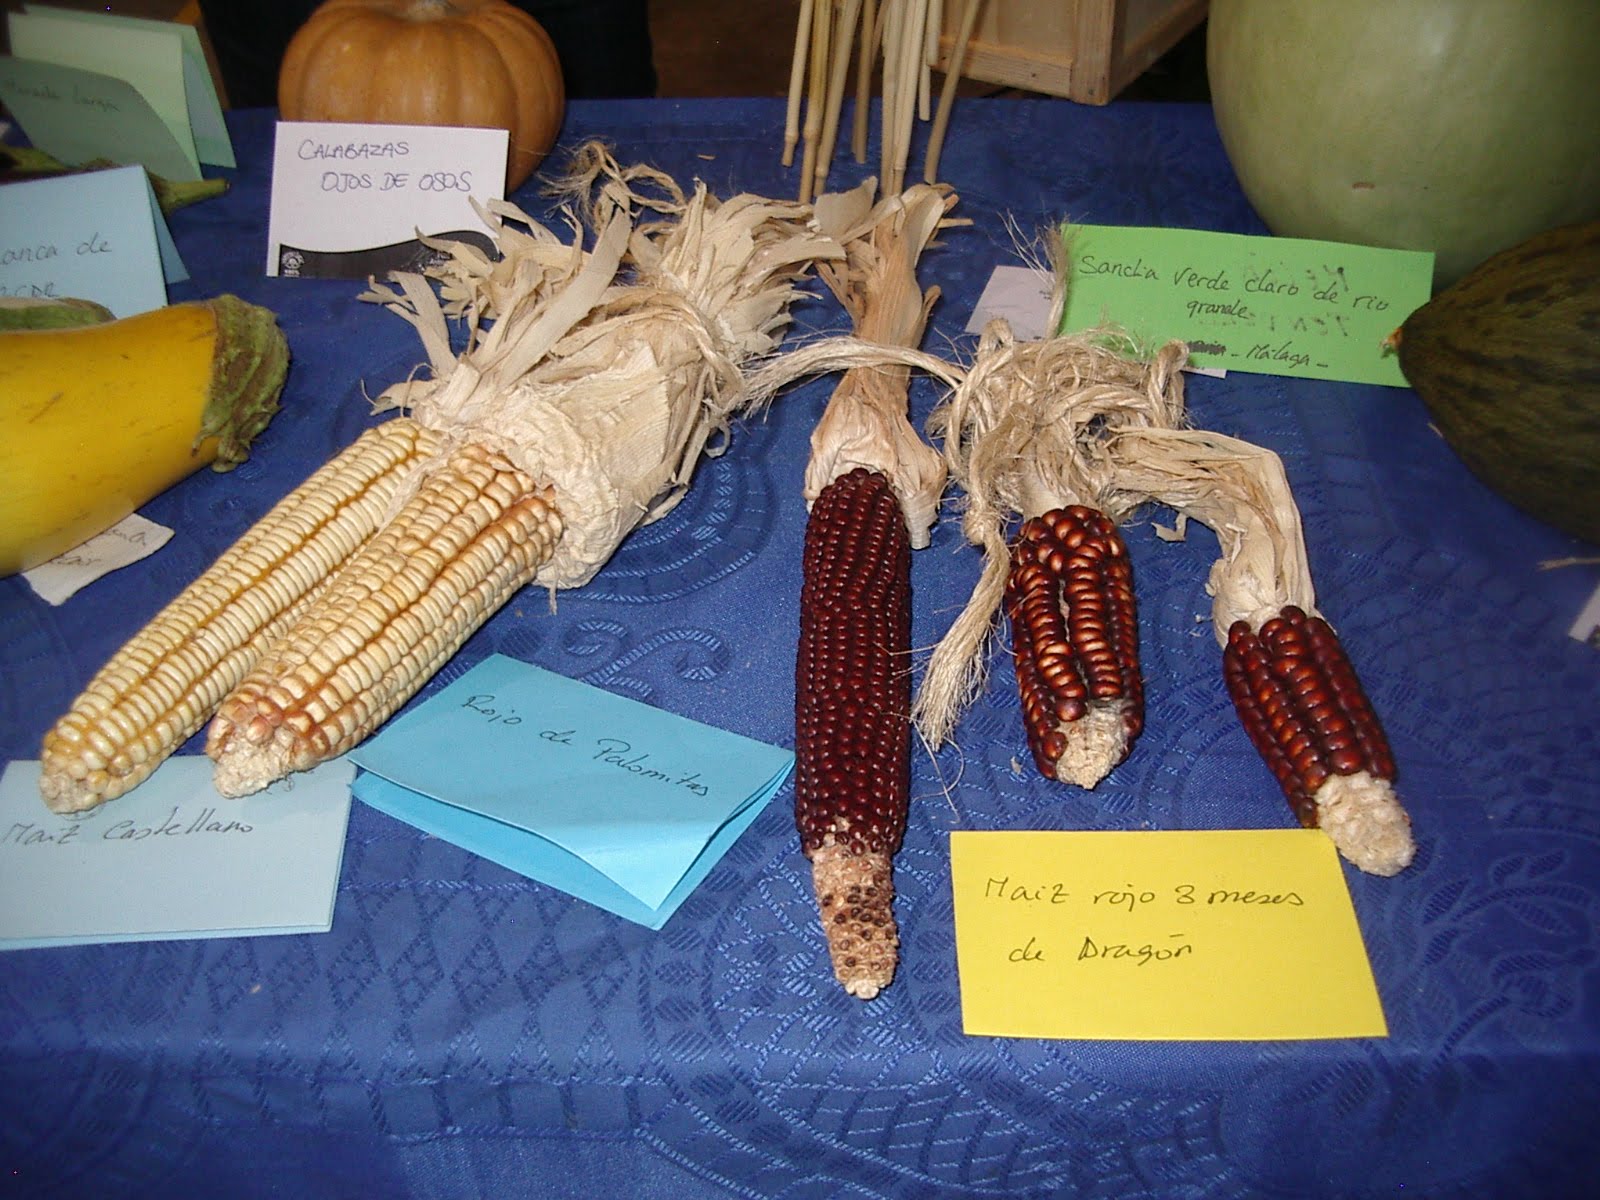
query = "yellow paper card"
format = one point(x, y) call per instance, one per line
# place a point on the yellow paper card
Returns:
point(1209, 935)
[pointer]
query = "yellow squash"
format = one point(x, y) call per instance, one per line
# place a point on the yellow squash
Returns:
point(96, 420)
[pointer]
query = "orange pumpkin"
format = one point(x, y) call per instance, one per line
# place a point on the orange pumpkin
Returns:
point(479, 63)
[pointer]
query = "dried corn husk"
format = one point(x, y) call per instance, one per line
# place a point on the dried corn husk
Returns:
point(1015, 434)
point(1238, 489)
point(606, 372)
point(865, 423)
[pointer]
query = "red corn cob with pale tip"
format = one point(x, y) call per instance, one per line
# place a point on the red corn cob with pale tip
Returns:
point(853, 719)
point(1075, 643)
point(1299, 700)
point(873, 487)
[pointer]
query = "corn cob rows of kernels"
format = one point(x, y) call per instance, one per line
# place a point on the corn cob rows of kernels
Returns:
point(853, 719)
point(1075, 643)
point(472, 534)
point(1298, 698)
point(165, 683)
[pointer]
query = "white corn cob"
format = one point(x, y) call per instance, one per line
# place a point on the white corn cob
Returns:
point(165, 683)
point(475, 531)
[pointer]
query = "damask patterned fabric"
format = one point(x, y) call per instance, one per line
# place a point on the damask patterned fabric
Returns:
point(464, 1032)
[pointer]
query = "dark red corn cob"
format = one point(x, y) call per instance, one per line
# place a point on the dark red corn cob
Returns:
point(852, 719)
point(1306, 714)
point(1075, 642)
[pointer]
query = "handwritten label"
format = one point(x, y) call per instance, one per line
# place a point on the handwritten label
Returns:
point(621, 803)
point(1159, 936)
point(347, 199)
point(176, 822)
point(96, 236)
point(80, 114)
point(1023, 298)
point(616, 752)
point(163, 61)
point(171, 859)
point(126, 542)
point(45, 255)
point(1282, 306)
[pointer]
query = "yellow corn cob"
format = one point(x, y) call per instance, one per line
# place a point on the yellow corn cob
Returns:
point(475, 531)
point(165, 683)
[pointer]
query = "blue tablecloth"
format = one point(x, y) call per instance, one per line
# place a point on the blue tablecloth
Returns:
point(465, 1032)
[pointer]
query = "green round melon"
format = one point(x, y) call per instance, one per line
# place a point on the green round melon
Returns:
point(1457, 126)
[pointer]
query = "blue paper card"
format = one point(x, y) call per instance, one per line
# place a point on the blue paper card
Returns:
point(616, 802)
point(95, 236)
point(171, 859)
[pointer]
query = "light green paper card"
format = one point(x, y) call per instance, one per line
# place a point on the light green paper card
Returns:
point(81, 115)
point(1276, 306)
point(151, 62)
point(206, 122)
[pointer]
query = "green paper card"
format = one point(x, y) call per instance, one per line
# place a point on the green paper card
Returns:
point(141, 43)
point(1276, 306)
point(71, 108)
point(80, 115)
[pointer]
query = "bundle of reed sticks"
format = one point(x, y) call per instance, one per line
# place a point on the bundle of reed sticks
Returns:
point(830, 36)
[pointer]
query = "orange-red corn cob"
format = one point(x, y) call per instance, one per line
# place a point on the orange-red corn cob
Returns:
point(1075, 642)
point(852, 719)
point(1299, 700)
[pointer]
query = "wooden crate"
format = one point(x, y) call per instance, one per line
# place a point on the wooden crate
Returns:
point(1085, 50)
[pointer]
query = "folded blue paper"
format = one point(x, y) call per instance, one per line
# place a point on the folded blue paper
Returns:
point(616, 802)
point(97, 236)
point(171, 859)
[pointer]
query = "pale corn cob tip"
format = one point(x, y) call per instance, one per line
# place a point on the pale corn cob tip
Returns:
point(1363, 816)
point(1299, 700)
point(1075, 643)
point(1092, 745)
point(855, 896)
point(470, 536)
point(166, 681)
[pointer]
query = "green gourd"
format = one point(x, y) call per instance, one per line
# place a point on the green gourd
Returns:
point(40, 312)
point(1457, 126)
point(1507, 361)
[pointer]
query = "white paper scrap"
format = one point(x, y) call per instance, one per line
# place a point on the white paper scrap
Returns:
point(1587, 627)
point(126, 542)
point(1019, 294)
point(1022, 296)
